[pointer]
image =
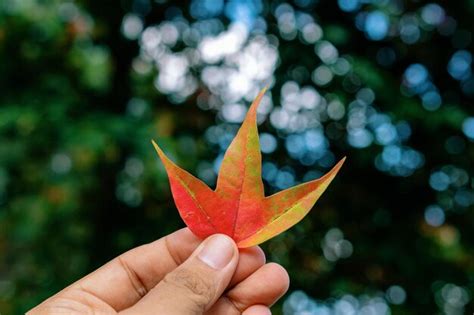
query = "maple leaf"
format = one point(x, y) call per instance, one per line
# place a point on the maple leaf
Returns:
point(238, 206)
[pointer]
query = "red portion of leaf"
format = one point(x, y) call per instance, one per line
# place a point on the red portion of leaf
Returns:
point(195, 201)
point(238, 206)
point(239, 183)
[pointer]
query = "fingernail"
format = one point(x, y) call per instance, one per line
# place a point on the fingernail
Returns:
point(217, 252)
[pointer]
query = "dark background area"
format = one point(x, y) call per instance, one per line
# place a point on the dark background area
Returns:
point(85, 85)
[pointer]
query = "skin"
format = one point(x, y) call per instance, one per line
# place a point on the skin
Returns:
point(174, 275)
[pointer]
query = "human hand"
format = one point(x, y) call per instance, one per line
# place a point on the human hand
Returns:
point(177, 274)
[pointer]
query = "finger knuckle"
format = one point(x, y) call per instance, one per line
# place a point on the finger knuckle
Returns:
point(136, 282)
point(198, 289)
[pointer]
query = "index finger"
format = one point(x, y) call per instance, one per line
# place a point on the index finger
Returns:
point(126, 279)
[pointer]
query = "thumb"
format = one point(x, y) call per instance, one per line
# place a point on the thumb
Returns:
point(194, 286)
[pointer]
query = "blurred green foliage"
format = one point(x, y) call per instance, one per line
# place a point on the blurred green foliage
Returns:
point(80, 182)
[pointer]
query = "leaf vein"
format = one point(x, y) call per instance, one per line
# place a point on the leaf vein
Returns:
point(300, 200)
point(196, 202)
point(241, 185)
